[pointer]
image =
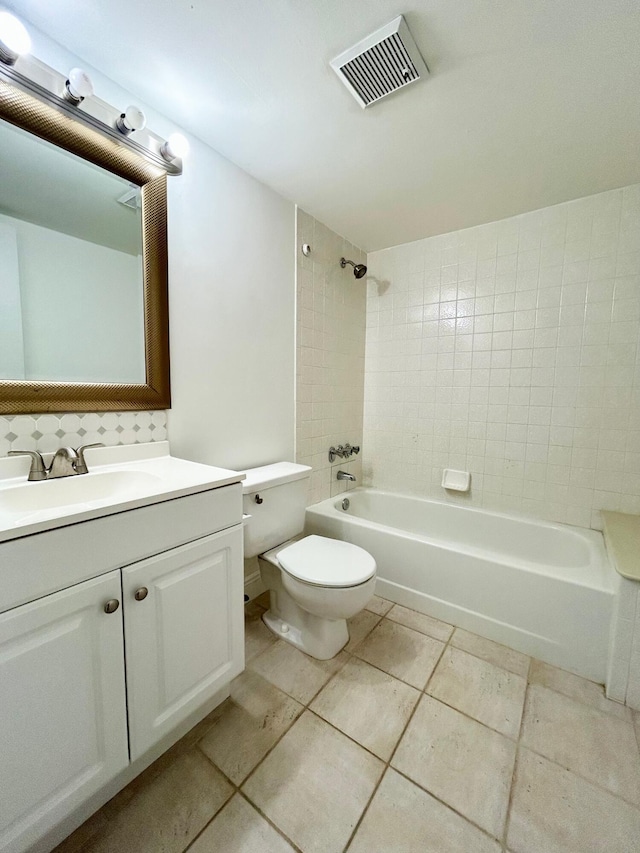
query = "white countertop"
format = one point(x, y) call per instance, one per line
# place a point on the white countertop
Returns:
point(151, 475)
point(622, 535)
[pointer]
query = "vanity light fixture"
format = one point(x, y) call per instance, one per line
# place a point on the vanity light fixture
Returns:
point(131, 119)
point(78, 87)
point(31, 78)
point(14, 38)
point(175, 146)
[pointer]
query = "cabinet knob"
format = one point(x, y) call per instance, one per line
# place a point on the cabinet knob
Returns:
point(141, 594)
point(112, 605)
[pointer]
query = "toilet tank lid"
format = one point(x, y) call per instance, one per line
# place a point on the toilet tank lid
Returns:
point(273, 475)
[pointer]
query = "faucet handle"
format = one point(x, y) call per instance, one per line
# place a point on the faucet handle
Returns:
point(81, 465)
point(37, 470)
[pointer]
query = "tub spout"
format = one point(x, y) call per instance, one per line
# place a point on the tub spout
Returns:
point(344, 475)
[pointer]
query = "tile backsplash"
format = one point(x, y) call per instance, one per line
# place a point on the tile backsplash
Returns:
point(511, 350)
point(48, 432)
point(330, 330)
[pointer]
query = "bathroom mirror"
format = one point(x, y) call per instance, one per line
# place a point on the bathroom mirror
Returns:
point(83, 267)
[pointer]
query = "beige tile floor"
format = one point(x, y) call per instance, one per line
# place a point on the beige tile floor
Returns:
point(418, 738)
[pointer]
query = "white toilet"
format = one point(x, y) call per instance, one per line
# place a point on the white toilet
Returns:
point(315, 583)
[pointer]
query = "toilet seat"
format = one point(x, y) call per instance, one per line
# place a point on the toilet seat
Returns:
point(319, 561)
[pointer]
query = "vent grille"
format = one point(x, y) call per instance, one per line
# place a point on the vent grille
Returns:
point(386, 61)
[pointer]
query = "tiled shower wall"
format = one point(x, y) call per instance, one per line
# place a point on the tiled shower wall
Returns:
point(330, 355)
point(511, 350)
point(47, 433)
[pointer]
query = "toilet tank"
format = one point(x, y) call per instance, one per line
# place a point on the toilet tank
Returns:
point(275, 496)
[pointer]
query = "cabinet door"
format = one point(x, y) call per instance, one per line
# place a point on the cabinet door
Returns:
point(63, 726)
point(183, 632)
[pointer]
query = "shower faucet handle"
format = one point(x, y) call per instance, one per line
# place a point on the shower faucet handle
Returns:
point(344, 451)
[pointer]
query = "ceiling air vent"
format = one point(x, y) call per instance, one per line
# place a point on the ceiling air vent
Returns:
point(380, 64)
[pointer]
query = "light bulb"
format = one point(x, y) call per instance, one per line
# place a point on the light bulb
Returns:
point(175, 146)
point(78, 86)
point(14, 39)
point(131, 119)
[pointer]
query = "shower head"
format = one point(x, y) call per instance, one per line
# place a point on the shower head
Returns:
point(358, 269)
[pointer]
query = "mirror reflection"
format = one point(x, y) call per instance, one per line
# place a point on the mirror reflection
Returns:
point(71, 270)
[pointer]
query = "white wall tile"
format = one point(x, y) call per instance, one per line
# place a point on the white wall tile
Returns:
point(47, 433)
point(330, 354)
point(511, 350)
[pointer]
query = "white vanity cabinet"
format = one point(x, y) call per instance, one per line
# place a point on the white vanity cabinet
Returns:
point(117, 635)
point(63, 718)
point(181, 645)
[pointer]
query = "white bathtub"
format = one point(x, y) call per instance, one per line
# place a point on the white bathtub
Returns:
point(544, 589)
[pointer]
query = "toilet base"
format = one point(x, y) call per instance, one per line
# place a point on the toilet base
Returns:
point(312, 619)
point(321, 644)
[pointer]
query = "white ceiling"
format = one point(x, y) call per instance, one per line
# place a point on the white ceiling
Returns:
point(529, 103)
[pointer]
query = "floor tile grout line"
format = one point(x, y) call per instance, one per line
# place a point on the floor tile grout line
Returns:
point(369, 632)
point(213, 764)
point(181, 751)
point(579, 776)
point(350, 655)
point(469, 717)
point(454, 628)
point(393, 752)
point(265, 817)
point(446, 804)
point(582, 701)
point(522, 745)
point(211, 819)
point(271, 748)
point(507, 820)
point(354, 653)
point(305, 707)
point(240, 793)
point(379, 668)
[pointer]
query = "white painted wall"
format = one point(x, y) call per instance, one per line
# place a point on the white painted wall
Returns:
point(81, 312)
point(232, 309)
point(232, 296)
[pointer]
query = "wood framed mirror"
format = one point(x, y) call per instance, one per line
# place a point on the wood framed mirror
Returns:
point(62, 317)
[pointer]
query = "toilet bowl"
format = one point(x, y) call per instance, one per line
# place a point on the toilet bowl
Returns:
point(315, 583)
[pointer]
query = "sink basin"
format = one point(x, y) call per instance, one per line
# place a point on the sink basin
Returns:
point(120, 478)
point(35, 501)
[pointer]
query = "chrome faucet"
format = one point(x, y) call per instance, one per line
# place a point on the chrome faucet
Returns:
point(344, 475)
point(63, 463)
point(66, 462)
